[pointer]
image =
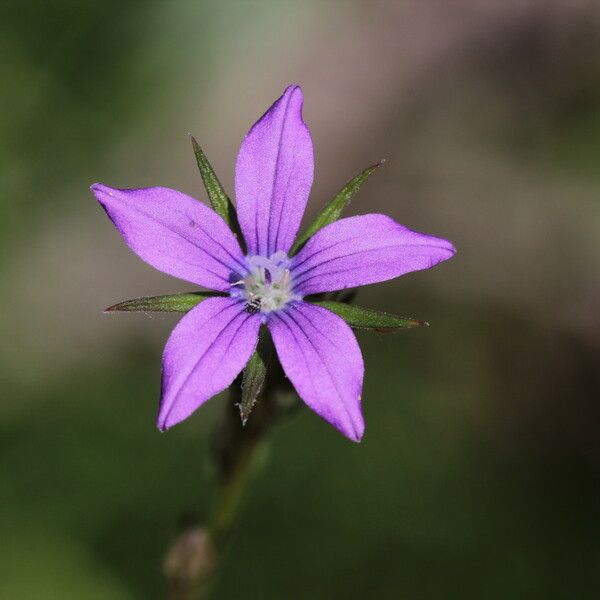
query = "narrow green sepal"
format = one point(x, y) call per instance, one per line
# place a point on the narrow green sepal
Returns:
point(219, 200)
point(253, 378)
point(366, 318)
point(179, 303)
point(252, 383)
point(333, 210)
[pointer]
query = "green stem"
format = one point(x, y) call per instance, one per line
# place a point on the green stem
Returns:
point(235, 453)
point(194, 558)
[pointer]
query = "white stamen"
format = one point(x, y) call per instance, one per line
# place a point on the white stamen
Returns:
point(261, 294)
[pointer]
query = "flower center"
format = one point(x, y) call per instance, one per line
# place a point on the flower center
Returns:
point(268, 284)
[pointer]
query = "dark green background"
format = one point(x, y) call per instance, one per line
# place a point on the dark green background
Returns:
point(478, 474)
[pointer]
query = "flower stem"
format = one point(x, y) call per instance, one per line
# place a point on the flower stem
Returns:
point(193, 559)
point(235, 451)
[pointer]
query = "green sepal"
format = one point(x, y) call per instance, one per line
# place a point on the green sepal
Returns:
point(254, 377)
point(219, 200)
point(178, 303)
point(366, 318)
point(333, 210)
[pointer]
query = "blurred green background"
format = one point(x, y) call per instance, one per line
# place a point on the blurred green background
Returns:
point(478, 477)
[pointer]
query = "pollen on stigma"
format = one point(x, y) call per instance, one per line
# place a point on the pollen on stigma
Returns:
point(268, 285)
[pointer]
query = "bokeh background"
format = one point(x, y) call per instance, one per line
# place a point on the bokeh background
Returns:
point(479, 473)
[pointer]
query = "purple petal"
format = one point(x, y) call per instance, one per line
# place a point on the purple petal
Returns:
point(361, 250)
point(174, 233)
point(274, 175)
point(206, 351)
point(321, 357)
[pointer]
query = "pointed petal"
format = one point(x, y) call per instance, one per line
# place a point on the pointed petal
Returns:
point(206, 351)
point(273, 176)
point(320, 355)
point(361, 250)
point(174, 233)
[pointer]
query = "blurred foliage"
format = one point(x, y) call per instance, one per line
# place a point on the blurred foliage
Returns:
point(65, 86)
point(77, 81)
point(478, 475)
point(426, 506)
point(549, 76)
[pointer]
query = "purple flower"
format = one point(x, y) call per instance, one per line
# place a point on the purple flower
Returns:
point(213, 342)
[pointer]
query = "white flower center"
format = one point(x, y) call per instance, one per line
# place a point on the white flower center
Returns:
point(268, 284)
